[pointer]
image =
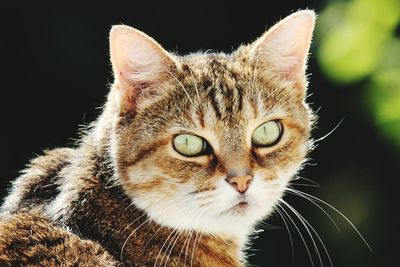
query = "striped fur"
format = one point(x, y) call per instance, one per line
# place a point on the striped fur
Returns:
point(28, 239)
point(124, 196)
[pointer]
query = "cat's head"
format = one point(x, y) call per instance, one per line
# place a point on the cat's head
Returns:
point(210, 141)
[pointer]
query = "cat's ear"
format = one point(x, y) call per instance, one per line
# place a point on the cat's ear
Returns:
point(284, 48)
point(140, 64)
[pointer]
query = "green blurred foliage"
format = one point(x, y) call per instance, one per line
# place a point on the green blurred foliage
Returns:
point(384, 99)
point(357, 42)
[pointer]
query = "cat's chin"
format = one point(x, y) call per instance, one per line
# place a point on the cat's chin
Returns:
point(236, 221)
point(223, 212)
point(240, 208)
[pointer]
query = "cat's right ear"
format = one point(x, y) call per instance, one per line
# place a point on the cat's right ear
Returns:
point(140, 64)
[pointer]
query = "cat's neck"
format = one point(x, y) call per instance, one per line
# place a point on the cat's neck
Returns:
point(106, 214)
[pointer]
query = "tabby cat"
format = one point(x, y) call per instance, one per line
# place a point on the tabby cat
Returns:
point(188, 155)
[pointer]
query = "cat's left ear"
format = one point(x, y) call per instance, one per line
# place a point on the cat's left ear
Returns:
point(284, 48)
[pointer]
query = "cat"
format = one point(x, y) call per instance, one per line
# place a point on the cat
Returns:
point(188, 155)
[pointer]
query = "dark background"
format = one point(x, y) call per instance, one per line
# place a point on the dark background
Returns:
point(55, 72)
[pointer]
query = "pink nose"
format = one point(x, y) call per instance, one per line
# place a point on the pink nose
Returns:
point(240, 183)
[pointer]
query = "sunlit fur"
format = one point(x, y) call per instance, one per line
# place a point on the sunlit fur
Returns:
point(155, 175)
point(126, 168)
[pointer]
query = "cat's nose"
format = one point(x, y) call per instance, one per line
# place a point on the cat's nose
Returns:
point(240, 183)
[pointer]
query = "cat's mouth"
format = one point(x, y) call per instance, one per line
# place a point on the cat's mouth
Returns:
point(242, 204)
point(240, 207)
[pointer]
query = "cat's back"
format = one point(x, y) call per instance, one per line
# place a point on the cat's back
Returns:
point(39, 182)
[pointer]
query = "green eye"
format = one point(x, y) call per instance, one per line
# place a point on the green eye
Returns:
point(189, 145)
point(267, 134)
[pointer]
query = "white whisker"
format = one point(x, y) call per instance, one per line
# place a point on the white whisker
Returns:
point(306, 223)
point(306, 179)
point(159, 252)
point(196, 238)
point(328, 134)
point(187, 245)
point(341, 214)
point(170, 245)
point(298, 230)
point(184, 244)
point(293, 192)
point(146, 221)
point(194, 83)
point(129, 225)
point(307, 185)
point(181, 85)
point(190, 219)
point(288, 229)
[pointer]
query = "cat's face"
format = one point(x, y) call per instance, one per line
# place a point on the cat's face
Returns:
point(210, 141)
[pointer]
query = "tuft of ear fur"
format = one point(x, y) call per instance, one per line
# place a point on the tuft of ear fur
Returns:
point(139, 64)
point(285, 46)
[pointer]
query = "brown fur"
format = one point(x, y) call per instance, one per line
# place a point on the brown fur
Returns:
point(99, 218)
point(28, 239)
point(88, 195)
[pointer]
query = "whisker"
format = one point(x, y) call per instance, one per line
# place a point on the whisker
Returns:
point(130, 205)
point(129, 225)
point(298, 177)
point(254, 73)
point(298, 230)
point(195, 245)
point(184, 244)
point(290, 235)
point(148, 241)
point(328, 134)
point(181, 85)
point(312, 228)
point(171, 201)
point(268, 226)
point(159, 252)
point(146, 221)
point(293, 192)
point(187, 245)
point(170, 245)
point(195, 85)
point(341, 214)
point(178, 235)
point(308, 231)
point(307, 185)
point(129, 236)
point(175, 237)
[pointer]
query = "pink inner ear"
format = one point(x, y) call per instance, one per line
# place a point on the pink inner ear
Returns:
point(295, 66)
point(285, 46)
point(139, 63)
point(131, 89)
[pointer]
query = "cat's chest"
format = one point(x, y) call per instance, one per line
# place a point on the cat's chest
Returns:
point(133, 238)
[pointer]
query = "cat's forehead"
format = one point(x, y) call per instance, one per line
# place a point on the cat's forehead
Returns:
point(232, 86)
point(221, 83)
point(218, 68)
point(220, 93)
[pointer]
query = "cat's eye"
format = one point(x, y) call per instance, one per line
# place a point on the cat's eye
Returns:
point(268, 134)
point(190, 145)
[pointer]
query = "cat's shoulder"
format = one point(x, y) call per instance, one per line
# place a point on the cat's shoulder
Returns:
point(39, 181)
